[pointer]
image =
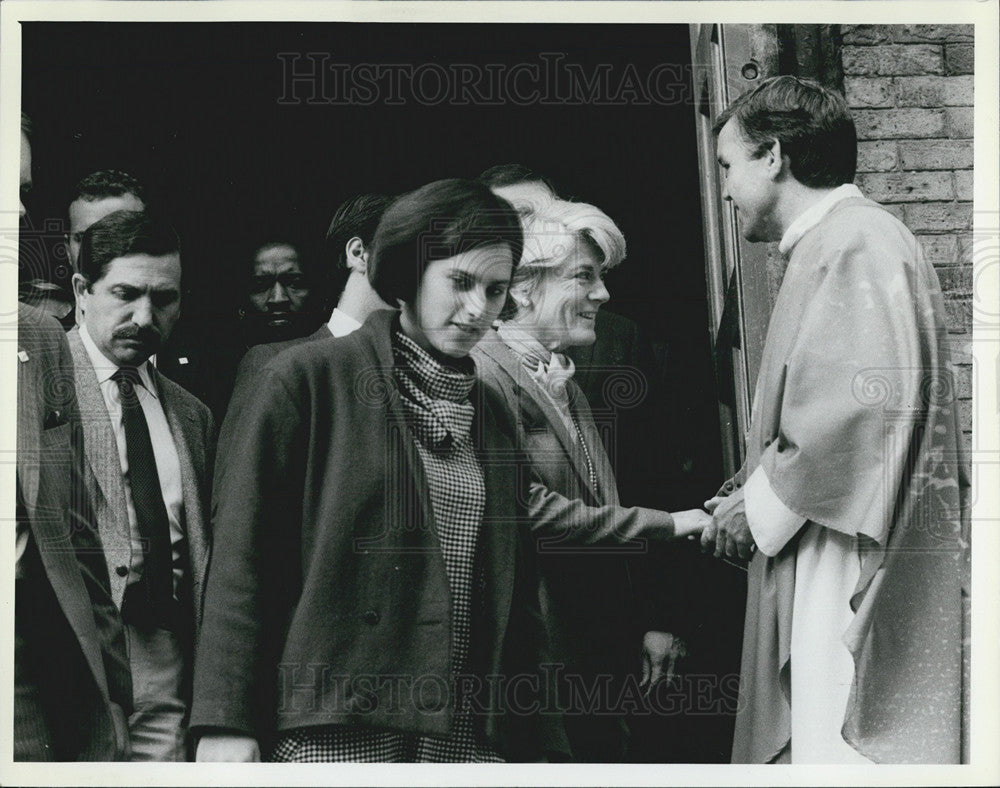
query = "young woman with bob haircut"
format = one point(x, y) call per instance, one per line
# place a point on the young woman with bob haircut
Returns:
point(370, 596)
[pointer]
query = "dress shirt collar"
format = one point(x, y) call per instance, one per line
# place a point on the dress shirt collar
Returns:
point(105, 368)
point(341, 324)
point(813, 215)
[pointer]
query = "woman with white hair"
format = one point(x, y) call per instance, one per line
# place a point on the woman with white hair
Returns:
point(583, 534)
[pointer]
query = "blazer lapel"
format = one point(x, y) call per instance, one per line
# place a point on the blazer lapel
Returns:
point(378, 337)
point(29, 437)
point(101, 451)
point(525, 387)
point(607, 492)
point(185, 430)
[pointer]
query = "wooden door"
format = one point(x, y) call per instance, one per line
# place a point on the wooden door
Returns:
point(728, 60)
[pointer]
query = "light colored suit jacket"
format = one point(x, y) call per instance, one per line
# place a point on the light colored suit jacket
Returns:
point(564, 505)
point(193, 431)
point(581, 531)
point(61, 525)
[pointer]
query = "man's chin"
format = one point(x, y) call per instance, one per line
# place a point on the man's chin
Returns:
point(273, 328)
point(133, 356)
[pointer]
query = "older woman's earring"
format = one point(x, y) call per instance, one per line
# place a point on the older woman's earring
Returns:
point(524, 301)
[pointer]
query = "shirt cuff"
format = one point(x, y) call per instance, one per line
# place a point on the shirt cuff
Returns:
point(771, 522)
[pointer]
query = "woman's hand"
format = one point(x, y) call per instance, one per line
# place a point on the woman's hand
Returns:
point(660, 652)
point(229, 749)
point(691, 523)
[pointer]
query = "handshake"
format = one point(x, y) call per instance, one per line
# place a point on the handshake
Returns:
point(722, 528)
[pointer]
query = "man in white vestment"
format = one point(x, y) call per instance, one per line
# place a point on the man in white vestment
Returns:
point(852, 504)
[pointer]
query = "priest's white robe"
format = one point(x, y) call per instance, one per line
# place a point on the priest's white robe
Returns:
point(855, 495)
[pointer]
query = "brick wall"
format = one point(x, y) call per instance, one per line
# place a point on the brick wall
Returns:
point(910, 89)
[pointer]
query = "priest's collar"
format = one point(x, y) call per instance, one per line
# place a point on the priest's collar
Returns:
point(813, 215)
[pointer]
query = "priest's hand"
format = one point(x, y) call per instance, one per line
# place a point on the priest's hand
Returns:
point(730, 530)
point(730, 486)
point(726, 490)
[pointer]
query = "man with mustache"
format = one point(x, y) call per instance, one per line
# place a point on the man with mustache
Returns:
point(148, 446)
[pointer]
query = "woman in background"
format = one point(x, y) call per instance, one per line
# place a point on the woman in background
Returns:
point(368, 576)
point(583, 535)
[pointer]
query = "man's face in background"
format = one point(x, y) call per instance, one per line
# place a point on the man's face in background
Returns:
point(84, 212)
point(277, 299)
point(277, 285)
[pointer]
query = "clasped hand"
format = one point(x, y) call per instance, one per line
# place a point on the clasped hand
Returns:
point(690, 523)
point(729, 531)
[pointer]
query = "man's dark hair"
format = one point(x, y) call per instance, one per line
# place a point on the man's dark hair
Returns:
point(812, 123)
point(120, 234)
point(509, 174)
point(268, 237)
point(356, 217)
point(107, 183)
point(437, 221)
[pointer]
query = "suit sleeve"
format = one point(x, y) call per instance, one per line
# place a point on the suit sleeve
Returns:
point(211, 453)
point(256, 509)
point(241, 397)
point(560, 520)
